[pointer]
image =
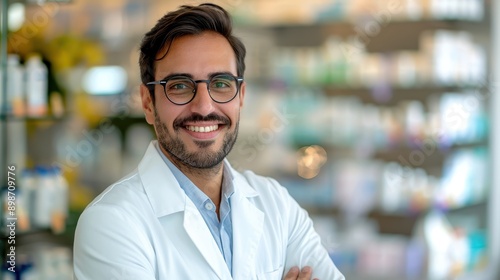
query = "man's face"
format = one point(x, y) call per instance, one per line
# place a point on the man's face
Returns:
point(179, 127)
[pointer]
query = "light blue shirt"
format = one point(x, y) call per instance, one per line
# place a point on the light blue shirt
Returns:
point(222, 231)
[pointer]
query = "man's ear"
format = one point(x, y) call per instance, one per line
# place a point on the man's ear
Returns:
point(147, 104)
point(242, 93)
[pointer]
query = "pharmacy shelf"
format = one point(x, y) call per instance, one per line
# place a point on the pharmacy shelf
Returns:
point(403, 222)
point(430, 157)
point(402, 145)
point(388, 223)
point(407, 32)
point(44, 236)
point(393, 94)
point(435, 157)
point(397, 93)
point(27, 240)
point(423, 23)
point(47, 118)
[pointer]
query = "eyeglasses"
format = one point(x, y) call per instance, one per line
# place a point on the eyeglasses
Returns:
point(181, 90)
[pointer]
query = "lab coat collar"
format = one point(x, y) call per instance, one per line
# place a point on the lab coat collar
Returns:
point(167, 197)
point(160, 184)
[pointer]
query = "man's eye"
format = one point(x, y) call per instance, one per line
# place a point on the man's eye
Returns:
point(221, 84)
point(179, 86)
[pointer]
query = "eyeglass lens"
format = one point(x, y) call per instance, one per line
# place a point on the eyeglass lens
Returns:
point(222, 88)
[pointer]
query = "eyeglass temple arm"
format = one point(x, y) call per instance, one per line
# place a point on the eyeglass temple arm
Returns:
point(154, 83)
point(160, 82)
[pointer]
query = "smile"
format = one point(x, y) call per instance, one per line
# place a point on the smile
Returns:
point(202, 128)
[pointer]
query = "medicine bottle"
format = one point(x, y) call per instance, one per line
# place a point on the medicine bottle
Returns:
point(36, 86)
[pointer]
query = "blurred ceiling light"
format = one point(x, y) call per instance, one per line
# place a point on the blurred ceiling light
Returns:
point(310, 159)
point(105, 80)
point(16, 16)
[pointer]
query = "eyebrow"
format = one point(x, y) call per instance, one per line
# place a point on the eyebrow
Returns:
point(210, 75)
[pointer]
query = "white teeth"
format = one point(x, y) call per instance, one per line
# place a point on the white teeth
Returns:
point(203, 128)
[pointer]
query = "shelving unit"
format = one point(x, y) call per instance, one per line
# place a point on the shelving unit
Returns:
point(15, 130)
point(395, 36)
point(3, 89)
point(406, 31)
point(3, 126)
point(494, 198)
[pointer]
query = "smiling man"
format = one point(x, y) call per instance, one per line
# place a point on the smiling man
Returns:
point(184, 213)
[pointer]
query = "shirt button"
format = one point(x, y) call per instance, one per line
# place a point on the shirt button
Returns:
point(209, 206)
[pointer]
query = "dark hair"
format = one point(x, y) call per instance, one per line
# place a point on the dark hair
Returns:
point(187, 20)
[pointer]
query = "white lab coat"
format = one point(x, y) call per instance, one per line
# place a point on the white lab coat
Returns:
point(145, 227)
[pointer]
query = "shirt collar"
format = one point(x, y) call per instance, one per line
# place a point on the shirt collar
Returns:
point(227, 182)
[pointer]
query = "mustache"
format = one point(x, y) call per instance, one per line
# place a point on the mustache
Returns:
point(199, 118)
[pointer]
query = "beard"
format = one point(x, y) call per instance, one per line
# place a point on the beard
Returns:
point(204, 158)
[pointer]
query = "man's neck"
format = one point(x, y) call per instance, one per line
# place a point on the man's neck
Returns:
point(208, 180)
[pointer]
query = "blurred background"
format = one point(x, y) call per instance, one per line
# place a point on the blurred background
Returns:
point(379, 116)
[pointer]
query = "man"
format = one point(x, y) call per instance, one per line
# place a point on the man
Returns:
point(184, 213)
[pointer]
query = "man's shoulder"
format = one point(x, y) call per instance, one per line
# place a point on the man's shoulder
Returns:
point(120, 204)
point(127, 190)
point(258, 180)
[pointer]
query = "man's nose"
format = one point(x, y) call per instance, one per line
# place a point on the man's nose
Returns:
point(202, 102)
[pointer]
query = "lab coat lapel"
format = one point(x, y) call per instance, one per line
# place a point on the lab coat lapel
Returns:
point(160, 184)
point(199, 233)
point(247, 221)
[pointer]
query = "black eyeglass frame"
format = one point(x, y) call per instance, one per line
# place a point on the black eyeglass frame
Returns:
point(163, 83)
